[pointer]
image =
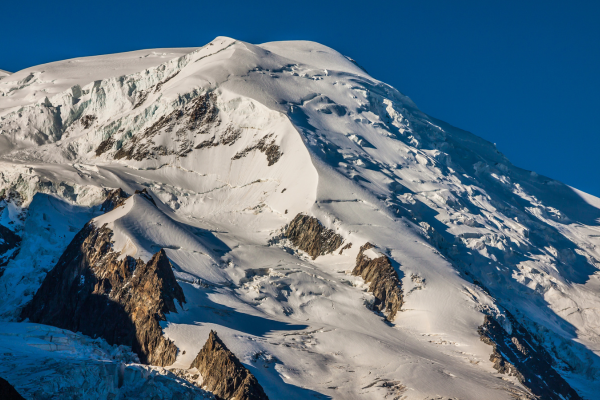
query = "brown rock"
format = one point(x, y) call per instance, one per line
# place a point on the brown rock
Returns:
point(309, 235)
point(223, 374)
point(198, 117)
point(114, 199)
point(123, 301)
point(269, 148)
point(346, 247)
point(105, 146)
point(383, 281)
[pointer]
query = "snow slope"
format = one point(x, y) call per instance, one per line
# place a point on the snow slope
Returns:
point(233, 140)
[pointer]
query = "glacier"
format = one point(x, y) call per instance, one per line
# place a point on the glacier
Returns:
point(233, 141)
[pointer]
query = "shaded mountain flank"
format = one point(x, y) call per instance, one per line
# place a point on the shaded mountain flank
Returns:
point(9, 241)
point(308, 234)
point(8, 392)
point(123, 301)
point(9, 245)
point(383, 281)
point(223, 374)
point(518, 354)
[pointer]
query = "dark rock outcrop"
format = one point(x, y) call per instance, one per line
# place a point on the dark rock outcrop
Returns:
point(383, 281)
point(88, 120)
point(229, 137)
point(144, 193)
point(309, 235)
point(195, 118)
point(346, 247)
point(265, 145)
point(114, 199)
point(104, 146)
point(518, 354)
point(123, 301)
point(9, 243)
point(8, 392)
point(223, 374)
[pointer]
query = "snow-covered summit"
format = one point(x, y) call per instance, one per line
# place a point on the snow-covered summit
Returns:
point(234, 140)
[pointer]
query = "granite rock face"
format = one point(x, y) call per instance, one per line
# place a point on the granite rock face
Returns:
point(223, 374)
point(518, 354)
point(8, 392)
point(309, 235)
point(383, 281)
point(114, 199)
point(91, 290)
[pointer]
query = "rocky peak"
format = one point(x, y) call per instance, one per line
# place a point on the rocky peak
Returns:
point(308, 234)
point(224, 374)
point(91, 290)
point(383, 281)
point(114, 199)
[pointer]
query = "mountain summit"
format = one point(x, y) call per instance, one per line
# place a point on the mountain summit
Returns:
point(344, 244)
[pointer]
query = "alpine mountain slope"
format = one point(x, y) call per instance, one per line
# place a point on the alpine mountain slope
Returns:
point(341, 243)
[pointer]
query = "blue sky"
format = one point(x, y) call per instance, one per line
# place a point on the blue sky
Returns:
point(522, 74)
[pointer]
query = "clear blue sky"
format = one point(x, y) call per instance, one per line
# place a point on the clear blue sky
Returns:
point(522, 74)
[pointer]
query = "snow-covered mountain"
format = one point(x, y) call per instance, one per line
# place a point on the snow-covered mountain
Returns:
point(340, 242)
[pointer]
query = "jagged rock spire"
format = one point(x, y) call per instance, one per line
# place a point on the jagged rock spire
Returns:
point(123, 301)
point(224, 374)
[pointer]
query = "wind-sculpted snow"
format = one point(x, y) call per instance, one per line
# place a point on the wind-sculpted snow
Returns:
point(233, 141)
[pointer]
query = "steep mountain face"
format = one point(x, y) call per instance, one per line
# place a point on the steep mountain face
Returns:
point(9, 243)
point(308, 234)
point(123, 300)
point(115, 198)
point(223, 373)
point(383, 281)
point(517, 353)
point(264, 174)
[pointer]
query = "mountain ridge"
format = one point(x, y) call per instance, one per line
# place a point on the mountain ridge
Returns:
point(234, 140)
